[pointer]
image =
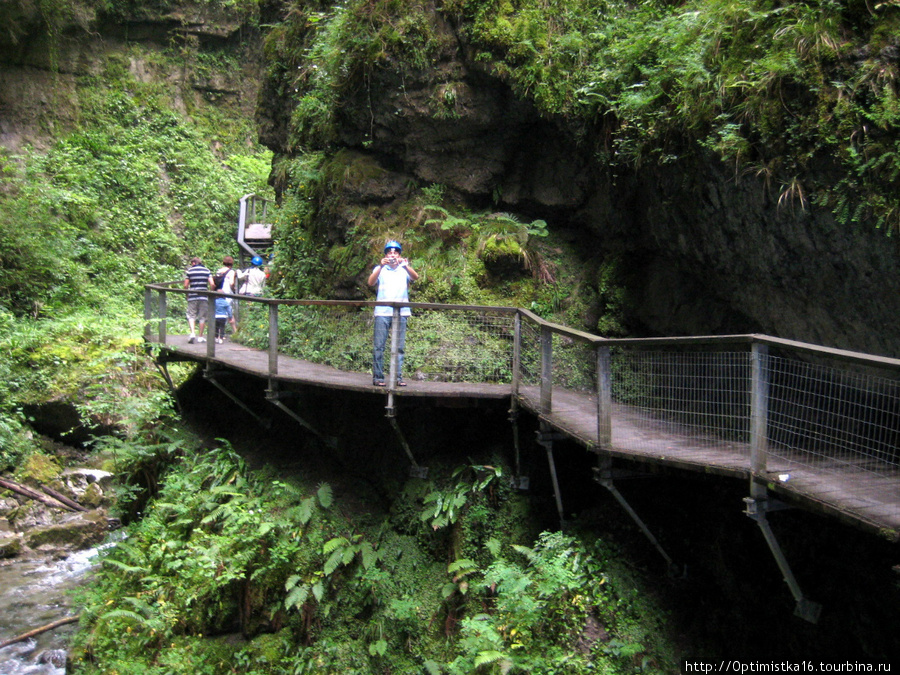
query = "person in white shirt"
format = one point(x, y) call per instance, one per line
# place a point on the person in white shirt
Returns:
point(393, 276)
point(253, 279)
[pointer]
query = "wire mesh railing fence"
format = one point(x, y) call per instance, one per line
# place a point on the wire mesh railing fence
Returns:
point(700, 395)
point(800, 408)
point(450, 345)
point(833, 419)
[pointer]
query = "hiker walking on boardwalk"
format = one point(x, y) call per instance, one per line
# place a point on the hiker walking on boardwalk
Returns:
point(393, 276)
point(225, 281)
point(196, 278)
point(253, 279)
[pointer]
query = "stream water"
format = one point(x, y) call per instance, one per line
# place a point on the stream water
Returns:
point(34, 593)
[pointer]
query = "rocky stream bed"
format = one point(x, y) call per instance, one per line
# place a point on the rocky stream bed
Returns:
point(46, 549)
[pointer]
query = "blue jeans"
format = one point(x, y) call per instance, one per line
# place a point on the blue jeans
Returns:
point(380, 339)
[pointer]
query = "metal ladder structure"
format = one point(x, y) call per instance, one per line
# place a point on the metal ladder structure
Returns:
point(254, 233)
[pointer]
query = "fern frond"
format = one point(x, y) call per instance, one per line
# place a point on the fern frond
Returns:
point(332, 544)
point(489, 656)
point(325, 496)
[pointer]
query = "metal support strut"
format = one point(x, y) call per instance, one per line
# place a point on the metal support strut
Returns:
point(545, 437)
point(519, 482)
point(757, 505)
point(163, 368)
point(604, 476)
point(209, 374)
point(274, 397)
point(415, 470)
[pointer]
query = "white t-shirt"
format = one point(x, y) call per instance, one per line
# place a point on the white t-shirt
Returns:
point(254, 280)
point(393, 286)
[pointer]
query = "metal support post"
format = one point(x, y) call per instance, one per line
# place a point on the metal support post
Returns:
point(604, 398)
point(390, 412)
point(148, 313)
point(274, 397)
point(273, 339)
point(395, 344)
point(519, 481)
point(517, 355)
point(162, 317)
point(757, 505)
point(209, 374)
point(546, 438)
point(163, 368)
point(546, 370)
point(210, 325)
point(415, 470)
point(759, 409)
point(604, 476)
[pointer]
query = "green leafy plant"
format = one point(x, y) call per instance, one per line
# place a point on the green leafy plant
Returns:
point(445, 507)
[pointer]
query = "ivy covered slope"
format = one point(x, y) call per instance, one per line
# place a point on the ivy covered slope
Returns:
point(120, 160)
point(238, 571)
point(715, 165)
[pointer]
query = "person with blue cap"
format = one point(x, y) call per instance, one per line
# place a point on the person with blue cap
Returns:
point(253, 278)
point(393, 276)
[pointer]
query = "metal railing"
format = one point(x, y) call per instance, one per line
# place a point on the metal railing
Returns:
point(778, 407)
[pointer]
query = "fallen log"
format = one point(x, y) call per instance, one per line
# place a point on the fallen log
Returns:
point(65, 500)
point(33, 494)
point(38, 631)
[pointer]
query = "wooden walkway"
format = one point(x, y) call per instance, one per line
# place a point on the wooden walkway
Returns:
point(857, 494)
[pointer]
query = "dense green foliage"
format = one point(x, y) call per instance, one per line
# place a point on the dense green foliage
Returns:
point(314, 588)
point(122, 199)
point(451, 580)
point(772, 88)
point(464, 256)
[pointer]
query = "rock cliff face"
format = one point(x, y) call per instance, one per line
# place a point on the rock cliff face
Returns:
point(703, 251)
point(39, 74)
point(721, 256)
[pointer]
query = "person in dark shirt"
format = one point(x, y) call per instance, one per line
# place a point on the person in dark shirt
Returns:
point(196, 277)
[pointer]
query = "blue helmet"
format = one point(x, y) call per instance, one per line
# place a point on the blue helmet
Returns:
point(256, 260)
point(393, 244)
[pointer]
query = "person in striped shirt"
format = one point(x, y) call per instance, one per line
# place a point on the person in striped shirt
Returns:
point(196, 277)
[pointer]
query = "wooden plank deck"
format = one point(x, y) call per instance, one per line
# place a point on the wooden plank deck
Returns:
point(297, 371)
point(864, 495)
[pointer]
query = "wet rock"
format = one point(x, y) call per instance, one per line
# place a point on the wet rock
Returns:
point(53, 657)
point(89, 487)
point(29, 515)
point(76, 531)
point(10, 546)
point(92, 497)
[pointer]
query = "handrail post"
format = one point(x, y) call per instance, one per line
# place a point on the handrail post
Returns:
point(546, 370)
point(162, 317)
point(148, 313)
point(273, 338)
point(604, 398)
point(395, 340)
point(759, 407)
point(517, 354)
point(210, 325)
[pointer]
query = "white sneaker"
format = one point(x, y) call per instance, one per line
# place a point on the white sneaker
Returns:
point(191, 340)
point(201, 339)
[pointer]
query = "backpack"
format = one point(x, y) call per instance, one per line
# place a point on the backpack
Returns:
point(219, 279)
